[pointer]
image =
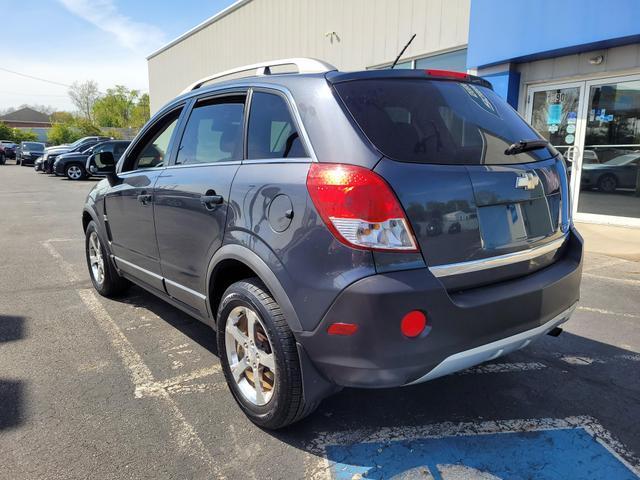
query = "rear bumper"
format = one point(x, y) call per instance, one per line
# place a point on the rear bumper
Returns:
point(465, 328)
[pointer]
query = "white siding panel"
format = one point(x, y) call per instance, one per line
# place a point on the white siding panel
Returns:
point(371, 32)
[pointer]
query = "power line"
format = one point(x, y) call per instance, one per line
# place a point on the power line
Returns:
point(35, 78)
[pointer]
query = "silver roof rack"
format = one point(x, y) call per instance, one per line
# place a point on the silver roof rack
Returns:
point(304, 65)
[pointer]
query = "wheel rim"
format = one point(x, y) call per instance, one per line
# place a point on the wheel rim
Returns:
point(250, 355)
point(74, 172)
point(95, 258)
point(607, 184)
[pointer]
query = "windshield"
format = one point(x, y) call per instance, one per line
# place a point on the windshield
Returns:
point(436, 121)
point(623, 159)
point(38, 147)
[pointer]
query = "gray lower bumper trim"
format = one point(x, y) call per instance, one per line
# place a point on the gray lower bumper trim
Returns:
point(483, 353)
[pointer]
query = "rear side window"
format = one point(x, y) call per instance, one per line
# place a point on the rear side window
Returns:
point(213, 132)
point(437, 121)
point(272, 132)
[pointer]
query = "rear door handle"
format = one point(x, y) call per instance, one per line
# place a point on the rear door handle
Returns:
point(210, 201)
point(145, 199)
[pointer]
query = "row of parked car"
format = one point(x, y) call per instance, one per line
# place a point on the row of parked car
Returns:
point(75, 160)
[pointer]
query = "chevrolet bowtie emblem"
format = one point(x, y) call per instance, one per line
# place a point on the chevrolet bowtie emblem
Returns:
point(527, 180)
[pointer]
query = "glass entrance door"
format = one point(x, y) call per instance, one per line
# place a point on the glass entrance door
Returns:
point(610, 177)
point(596, 126)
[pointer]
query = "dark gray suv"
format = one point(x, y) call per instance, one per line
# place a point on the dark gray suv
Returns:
point(369, 229)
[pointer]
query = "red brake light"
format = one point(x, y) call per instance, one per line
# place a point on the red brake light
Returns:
point(359, 207)
point(447, 73)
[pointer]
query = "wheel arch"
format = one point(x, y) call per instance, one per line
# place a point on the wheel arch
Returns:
point(235, 262)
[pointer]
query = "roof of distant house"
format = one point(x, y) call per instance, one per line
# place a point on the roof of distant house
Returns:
point(26, 115)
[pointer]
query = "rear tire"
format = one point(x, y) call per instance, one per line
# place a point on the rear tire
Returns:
point(104, 276)
point(280, 401)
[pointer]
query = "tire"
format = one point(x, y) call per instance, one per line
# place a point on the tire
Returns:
point(108, 283)
point(607, 183)
point(283, 403)
point(74, 172)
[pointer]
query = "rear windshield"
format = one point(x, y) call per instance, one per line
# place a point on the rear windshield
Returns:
point(33, 146)
point(437, 121)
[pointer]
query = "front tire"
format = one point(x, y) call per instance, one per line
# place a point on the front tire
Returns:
point(104, 276)
point(255, 342)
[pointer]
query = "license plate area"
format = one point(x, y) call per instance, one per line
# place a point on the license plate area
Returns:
point(511, 224)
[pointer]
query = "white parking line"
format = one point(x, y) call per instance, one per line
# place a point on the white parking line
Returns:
point(607, 312)
point(141, 377)
point(318, 467)
point(626, 281)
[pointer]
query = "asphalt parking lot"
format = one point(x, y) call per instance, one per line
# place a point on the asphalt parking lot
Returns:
point(97, 388)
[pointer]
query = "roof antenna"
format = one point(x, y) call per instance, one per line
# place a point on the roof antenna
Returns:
point(402, 51)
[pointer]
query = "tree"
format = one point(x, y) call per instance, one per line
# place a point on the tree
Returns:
point(121, 107)
point(71, 130)
point(84, 95)
point(15, 134)
point(141, 112)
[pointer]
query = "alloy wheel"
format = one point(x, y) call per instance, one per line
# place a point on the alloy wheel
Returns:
point(95, 258)
point(250, 355)
point(74, 172)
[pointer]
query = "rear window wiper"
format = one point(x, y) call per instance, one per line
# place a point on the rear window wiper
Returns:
point(526, 146)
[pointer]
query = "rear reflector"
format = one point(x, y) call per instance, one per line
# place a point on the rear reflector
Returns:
point(447, 73)
point(359, 207)
point(413, 323)
point(342, 329)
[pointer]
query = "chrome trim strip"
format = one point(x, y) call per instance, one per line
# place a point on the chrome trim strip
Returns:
point(469, 358)
point(133, 265)
point(494, 262)
point(185, 289)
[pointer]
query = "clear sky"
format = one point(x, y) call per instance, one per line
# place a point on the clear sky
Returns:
point(76, 40)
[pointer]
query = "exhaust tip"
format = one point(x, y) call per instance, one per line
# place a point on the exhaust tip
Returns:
point(555, 331)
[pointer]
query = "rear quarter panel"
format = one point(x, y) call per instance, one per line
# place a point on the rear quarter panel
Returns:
point(309, 263)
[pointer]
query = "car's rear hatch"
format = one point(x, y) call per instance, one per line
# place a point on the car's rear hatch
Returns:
point(480, 215)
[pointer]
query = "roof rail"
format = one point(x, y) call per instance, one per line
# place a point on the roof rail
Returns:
point(304, 65)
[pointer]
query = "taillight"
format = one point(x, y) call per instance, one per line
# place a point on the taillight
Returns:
point(359, 207)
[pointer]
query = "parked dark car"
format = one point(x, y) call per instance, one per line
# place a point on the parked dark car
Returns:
point(619, 172)
point(72, 165)
point(7, 150)
point(29, 152)
point(116, 147)
point(80, 145)
point(283, 210)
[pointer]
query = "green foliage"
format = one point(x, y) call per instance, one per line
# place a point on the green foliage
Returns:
point(62, 133)
point(71, 130)
point(15, 134)
point(121, 107)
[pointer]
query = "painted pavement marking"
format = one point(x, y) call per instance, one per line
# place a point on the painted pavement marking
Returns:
point(139, 373)
point(570, 448)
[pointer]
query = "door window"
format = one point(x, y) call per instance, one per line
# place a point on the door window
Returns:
point(272, 131)
point(555, 115)
point(153, 149)
point(213, 132)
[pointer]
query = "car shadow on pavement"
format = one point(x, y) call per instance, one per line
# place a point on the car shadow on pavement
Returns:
point(197, 331)
point(12, 391)
point(578, 377)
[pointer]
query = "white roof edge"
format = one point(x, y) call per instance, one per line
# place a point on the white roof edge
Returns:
point(218, 16)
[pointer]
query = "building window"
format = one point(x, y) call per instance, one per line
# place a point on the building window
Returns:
point(456, 61)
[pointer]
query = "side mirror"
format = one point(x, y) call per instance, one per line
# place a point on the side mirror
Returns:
point(102, 164)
